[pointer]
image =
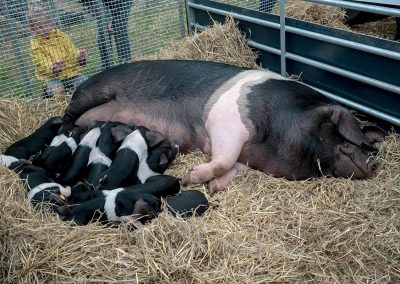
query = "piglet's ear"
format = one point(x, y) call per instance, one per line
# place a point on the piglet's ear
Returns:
point(119, 132)
point(154, 138)
point(347, 126)
point(58, 120)
point(163, 160)
point(142, 208)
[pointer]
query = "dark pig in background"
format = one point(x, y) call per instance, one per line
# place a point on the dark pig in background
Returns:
point(354, 17)
point(240, 116)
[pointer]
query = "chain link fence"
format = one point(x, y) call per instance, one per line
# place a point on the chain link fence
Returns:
point(83, 38)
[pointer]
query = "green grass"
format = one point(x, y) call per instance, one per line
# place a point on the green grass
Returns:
point(149, 30)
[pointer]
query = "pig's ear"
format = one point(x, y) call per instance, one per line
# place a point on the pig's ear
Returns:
point(119, 132)
point(58, 120)
point(76, 132)
point(163, 160)
point(347, 126)
point(373, 132)
point(154, 138)
point(96, 123)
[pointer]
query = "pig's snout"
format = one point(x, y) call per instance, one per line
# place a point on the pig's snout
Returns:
point(351, 161)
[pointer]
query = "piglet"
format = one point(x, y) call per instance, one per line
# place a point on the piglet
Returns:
point(37, 141)
point(78, 167)
point(117, 205)
point(134, 148)
point(56, 158)
point(112, 133)
point(41, 188)
point(157, 162)
point(187, 203)
point(9, 161)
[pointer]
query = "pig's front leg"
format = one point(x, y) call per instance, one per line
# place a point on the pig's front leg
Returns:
point(220, 183)
point(227, 140)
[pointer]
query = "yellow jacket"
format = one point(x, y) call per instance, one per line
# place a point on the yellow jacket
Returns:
point(44, 52)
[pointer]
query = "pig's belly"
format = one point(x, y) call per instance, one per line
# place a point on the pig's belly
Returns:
point(177, 133)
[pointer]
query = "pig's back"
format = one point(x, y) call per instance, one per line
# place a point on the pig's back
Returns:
point(164, 95)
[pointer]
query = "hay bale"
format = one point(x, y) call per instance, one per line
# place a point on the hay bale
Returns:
point(220, 43)
point(262, 229)
point(316, 13)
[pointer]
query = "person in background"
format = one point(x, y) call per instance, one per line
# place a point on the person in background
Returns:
point(266, 6)
point(119, 10)
point(58, 63)
point(112, 21)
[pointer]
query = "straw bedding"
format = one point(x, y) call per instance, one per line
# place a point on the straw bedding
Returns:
point(334, 17)
point(262, 229)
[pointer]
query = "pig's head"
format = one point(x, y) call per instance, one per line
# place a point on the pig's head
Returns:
point(333, 143)
point(323, 140)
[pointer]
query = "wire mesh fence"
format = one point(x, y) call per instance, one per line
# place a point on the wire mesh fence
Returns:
point(51, 45)
point(109, 32)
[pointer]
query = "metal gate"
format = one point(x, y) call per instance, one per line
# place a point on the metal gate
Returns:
point(357, 70)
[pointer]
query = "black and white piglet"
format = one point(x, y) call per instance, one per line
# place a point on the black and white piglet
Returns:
point(117, 205)
point(57, 157)
point(100, 158)
point(37, 141)
point(41, 188)
point(132, 152)
point(78, 168)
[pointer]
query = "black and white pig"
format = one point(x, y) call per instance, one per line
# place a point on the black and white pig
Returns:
point(241, 116)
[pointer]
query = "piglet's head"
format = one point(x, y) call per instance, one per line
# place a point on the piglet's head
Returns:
point(342, 147)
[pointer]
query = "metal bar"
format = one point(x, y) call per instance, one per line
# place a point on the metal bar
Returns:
point(282, 37)
point(341, 42)
point(181, 21)
point(360, 7)
point(263, 47)
point(345, 73)
point(347, 43)
point(189, 16)
point(234, 15)
point(380, 2)
point(360, 107)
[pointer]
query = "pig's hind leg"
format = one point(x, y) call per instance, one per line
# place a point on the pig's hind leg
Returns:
point(86, 98)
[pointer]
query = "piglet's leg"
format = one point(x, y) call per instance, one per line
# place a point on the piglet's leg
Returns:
point(220, 183)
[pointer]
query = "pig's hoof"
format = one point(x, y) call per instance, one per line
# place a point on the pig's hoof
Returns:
point(186, 178)
point(192, 176)
point(215, 186)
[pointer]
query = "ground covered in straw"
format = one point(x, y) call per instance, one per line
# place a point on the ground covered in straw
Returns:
point(261, 229)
